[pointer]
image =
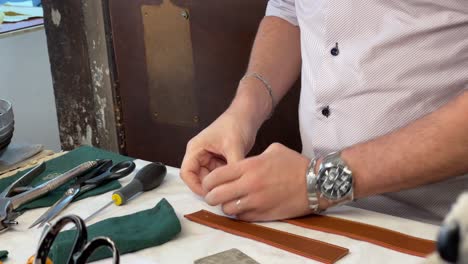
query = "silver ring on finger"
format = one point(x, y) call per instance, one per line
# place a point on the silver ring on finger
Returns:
point(238, 204)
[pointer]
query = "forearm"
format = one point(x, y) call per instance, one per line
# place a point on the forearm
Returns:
point(431, 149)
point(276, 57)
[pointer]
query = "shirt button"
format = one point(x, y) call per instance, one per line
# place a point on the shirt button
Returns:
point(326, 111)
point(335, 51)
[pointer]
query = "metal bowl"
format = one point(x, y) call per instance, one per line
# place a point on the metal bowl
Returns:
point(7, 129)
point(4, 144)
point(7, 124)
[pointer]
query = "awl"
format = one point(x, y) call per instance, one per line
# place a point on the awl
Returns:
point(146, 179)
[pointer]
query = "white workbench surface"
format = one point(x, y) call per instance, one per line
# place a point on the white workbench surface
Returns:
point(196, 241)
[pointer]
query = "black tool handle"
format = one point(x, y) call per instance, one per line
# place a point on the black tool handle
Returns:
point(148, 178)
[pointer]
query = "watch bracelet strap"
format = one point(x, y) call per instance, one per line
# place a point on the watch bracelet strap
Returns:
point(312, 194)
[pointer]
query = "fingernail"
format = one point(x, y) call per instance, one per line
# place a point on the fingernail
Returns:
point(205, 188)
point(209, 198)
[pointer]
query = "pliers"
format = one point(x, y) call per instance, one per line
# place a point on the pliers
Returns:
point(18, 193)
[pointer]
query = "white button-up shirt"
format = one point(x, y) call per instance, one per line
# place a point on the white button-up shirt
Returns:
point(370, 67)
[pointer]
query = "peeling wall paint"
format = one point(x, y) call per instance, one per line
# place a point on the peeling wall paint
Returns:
point(71, 142)
point(98, 74)
point(56, 17)
point(82, 79)
point(101, 112)
point(100, 102)
point(87, 139)
point(105, 129)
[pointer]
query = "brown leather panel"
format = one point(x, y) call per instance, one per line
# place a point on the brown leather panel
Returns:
point(372, 234)
point(169, 61)
point(310, 248)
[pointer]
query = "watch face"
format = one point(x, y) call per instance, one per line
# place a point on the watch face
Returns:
point(335, 182)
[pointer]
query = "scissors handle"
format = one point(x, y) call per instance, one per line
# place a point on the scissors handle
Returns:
point(49, 237)
point(81, 250)
point(103, 167)
point(117, 171)
point(94, 245)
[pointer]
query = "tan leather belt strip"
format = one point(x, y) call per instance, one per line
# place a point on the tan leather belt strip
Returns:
point(372, 234)
point(303, 246)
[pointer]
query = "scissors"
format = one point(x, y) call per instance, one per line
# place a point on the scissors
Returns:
point(102, 175)
point(81, 249)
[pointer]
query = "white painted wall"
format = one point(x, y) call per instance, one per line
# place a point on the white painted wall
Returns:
point(26, 81)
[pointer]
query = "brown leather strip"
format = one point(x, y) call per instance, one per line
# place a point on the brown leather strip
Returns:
point(372, 234)
point(310, 248)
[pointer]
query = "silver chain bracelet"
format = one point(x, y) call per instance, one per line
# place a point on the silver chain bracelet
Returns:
point(267, 86)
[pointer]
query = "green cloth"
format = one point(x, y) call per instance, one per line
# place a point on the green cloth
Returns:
point(62, 164)
point(130, 233)
point(3, 254)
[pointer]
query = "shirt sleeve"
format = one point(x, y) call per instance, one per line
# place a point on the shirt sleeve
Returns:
point(284, 9)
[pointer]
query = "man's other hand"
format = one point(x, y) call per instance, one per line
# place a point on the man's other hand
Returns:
point(266, 187)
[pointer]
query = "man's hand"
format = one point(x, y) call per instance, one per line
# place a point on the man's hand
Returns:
point(267, 187)
point(225, 141)
point(276, 55)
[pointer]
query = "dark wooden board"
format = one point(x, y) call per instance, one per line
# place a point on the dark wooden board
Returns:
point(222, 33)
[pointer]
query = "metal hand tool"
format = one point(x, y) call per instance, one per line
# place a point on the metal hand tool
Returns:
point(146, 179)
point(81, 249)
point(102, 175)
point(10, 202)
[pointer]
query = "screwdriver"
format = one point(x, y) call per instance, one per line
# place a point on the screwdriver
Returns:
point(146, 179)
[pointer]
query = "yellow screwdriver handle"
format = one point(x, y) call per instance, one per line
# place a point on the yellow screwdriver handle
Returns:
point(117, 199)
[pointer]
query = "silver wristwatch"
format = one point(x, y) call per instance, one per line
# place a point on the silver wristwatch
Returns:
point(333, 182)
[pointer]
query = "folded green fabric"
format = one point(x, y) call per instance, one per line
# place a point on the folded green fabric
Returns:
point(62, 164)
point(130, 233)
point(3, 254)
